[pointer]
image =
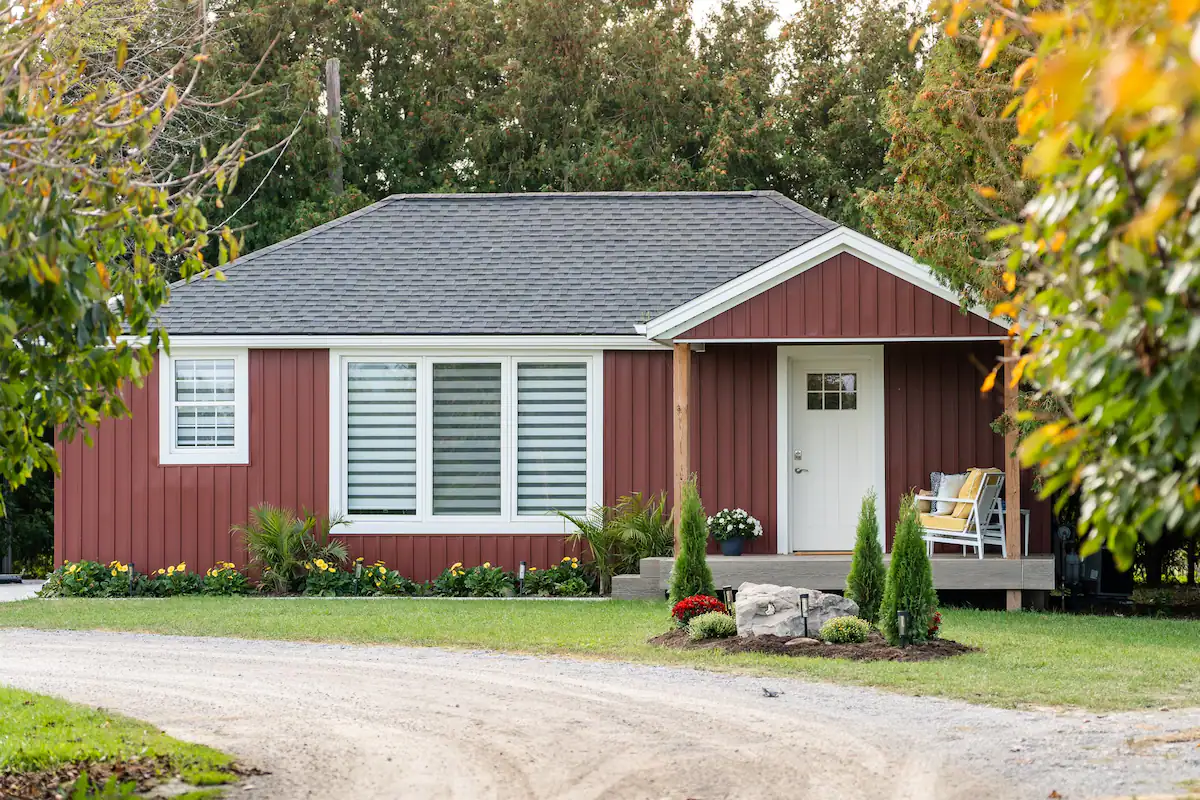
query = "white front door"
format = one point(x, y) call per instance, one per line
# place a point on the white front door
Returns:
point(835, 435)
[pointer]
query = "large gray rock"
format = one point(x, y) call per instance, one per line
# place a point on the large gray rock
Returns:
point(764, 608)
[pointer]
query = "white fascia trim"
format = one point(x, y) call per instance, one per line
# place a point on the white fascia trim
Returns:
point(239, 454)
point(455, 344)
point(789, 265)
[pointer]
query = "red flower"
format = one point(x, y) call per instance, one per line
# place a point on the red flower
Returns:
point(935, 624)
point(694, 606)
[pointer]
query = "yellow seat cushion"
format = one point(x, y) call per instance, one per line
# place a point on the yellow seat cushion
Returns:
point(969, 489)
point(943, 522)
point(973, 482)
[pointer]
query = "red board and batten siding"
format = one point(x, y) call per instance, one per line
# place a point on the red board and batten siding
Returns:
point(844, 297)
point(114, 501)
point(936, 419)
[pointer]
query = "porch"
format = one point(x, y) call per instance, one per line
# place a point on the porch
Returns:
point(951, 571)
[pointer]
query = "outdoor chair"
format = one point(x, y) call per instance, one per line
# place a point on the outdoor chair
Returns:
point(968, 523)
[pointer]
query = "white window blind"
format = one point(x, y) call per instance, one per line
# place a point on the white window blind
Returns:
point(552, 405)
point(204, 403)
point(466, 439)
point(381, 438)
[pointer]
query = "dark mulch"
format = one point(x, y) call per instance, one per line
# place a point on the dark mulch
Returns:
point(875, 648)
point(56, 784)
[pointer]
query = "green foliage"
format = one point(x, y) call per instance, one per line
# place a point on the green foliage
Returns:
point(488, 581)
point(867, 577)
point(279, 543)
point(618, 538)
point(27, 526)
point(452, 582)
point(377, 580)
point(561, 580)
point(604, 540)
point(691, 576)
point(839, 58)
point(91, 223)
point(173, 582)
point(909, 579)
point(325, 579)
point(224, 579)
point(75, 579)
point(713, 625)
point(949, 139)
point(845, 630)
point(1102, 265)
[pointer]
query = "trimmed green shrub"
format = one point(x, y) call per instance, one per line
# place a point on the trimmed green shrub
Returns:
point(845, 630)
point(867, 578)
point(691, 576)
point(713, 625)
point(909, 579)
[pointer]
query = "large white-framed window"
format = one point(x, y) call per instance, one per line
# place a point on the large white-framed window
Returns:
point(477, 442)
point(204, 407)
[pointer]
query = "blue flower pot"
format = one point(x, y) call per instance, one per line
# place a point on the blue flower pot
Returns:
point(732, 547)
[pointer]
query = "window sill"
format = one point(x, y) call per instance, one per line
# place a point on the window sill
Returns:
point(212, 458)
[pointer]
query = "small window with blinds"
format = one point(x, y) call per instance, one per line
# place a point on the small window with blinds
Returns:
point(467, 432)
point(381, 438)
point(204, 403)
point(552, 402)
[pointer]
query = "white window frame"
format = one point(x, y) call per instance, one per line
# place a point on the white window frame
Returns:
point(168, 451)
point(425, 521)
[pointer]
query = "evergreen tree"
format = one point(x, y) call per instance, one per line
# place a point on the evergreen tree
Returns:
point(691, 575)
point(865, 583)
point(909, 579)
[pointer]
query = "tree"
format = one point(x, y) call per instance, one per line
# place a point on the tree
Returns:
point(865, 582)
point(839, 60)
point(691, 575)
point(90, 222)
point(909, 579)
point(1104, 262)
point(949, 136)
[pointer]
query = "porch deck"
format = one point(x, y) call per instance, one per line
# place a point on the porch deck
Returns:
point(828, 573)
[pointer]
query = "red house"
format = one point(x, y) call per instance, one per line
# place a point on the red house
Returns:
point(445, 370)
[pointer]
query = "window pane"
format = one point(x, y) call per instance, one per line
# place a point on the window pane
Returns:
point(833, 382)
point(381, 438)
point(204, 426)
point(831, 400)
point(814, 401)
point(204, 380)
point(848, 381)
point(551, 438)
point(815, 381)
point(466, 439)
point(849, 400)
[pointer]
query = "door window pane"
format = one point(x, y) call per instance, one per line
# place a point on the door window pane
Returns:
point(832, 391)
point(381, 438)
point(466, 439)
point(551, 438)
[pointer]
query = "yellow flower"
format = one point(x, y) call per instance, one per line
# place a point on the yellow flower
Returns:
point(566, 558)
point(161, 571)
point(379, 563)
point(533, 569)
point(170, 570)
point(360, 558)
point(123, 568)
point(487, 565)
point(320, 562)
point(114, 572)
point(456, 565)
point(574, 566)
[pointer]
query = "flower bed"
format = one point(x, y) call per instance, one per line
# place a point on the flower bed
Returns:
point(318, 578)
point(875, 648)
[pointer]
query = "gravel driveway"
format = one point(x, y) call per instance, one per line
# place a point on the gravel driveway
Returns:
point(365, 722)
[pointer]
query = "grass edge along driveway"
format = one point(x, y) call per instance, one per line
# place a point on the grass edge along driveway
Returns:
point(1094, 663)
point(41, 735)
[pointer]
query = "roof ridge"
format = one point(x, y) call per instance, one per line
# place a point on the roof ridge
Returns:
point(566, 195)
point(299, 237)
point(784, 201)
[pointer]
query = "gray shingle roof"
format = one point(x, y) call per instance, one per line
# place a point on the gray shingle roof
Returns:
point(544, 263)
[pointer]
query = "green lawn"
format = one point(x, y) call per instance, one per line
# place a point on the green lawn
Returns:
point(1100, 663)
point(40, 734)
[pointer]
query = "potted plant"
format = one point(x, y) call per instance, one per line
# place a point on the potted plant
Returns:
point(732, 527)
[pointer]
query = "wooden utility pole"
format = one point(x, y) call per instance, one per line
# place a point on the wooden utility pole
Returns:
point(333, 103)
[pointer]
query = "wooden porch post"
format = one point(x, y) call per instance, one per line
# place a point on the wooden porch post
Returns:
point(1012, 472)
point(683, 449)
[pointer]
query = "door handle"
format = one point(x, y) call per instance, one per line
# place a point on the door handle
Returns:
point(800, 470)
